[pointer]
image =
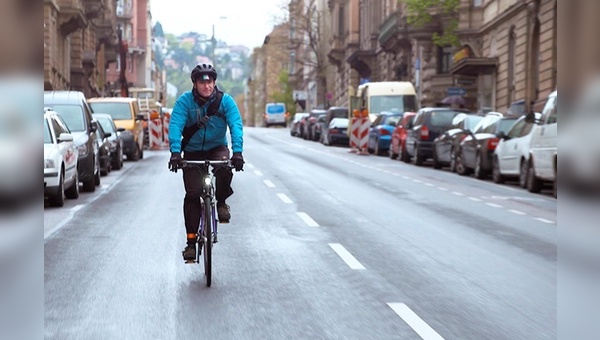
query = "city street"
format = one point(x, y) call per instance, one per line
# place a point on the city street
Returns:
point(322, 244)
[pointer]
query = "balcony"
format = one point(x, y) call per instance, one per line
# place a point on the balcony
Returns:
point(71, 17)
point(94, 9)
point(393, 32)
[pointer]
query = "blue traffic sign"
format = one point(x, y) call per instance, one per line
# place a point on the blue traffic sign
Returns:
point(456, 91)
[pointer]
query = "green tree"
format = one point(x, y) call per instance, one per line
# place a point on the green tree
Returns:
point(285, 96)
point(420, 14)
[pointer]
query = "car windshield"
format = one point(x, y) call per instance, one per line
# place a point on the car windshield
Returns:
point(442, 118)
point(339, 123)
point(47, 135)
point(106, 125)
point(471, 121)
point(399, 104)
point(118, 111)
point(72, 115)
point(504, 125)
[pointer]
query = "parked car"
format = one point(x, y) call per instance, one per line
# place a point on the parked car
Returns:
point(103, 150)
point(295, 124)
point(74, 110)
point(380, 132)
point(309, 121)
point(447, 144)
point(60, 161)
point(398, 144)
point(126, 114)
point(116, 143)
point(544, 140)
point(337, 132)
point(333, 112)
point(317, 128)
point(511, 157)
point(476, 151)
point(427, 125)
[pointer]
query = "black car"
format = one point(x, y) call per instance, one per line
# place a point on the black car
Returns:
point(476, 151)
point(309, 121)
point(116, 142)
point(424, 128)
point(104, 147)
point(337, 132)
point(447, 144)
point(74, 110)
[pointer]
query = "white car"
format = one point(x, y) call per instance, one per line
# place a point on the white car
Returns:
point(511, 157)
point(543, 150)
point(60, 161)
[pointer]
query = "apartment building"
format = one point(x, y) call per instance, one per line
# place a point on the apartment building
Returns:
point(506, 59)
point(79, 41)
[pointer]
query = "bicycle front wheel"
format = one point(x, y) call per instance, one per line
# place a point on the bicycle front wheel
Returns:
point(208, 239)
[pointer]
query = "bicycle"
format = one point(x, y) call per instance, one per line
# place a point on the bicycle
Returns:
point(207, 230)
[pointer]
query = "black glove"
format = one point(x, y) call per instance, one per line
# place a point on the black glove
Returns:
point(237, 160)
point(175, 161)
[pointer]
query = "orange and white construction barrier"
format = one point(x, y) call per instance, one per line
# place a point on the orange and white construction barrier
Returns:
point(359, 132)
point(166, 121)
point(155, 133)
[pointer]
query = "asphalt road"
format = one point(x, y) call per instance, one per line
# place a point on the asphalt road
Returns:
point(323, 244)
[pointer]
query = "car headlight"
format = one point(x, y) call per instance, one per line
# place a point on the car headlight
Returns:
point(83, 150)
point(49, 164)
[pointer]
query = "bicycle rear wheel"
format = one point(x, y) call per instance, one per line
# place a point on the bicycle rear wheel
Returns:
point(208, 240)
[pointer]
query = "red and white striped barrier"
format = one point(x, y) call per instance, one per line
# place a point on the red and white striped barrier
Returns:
point(155, 134)
point(166, 121)
point(363, 135)
point(354, 133)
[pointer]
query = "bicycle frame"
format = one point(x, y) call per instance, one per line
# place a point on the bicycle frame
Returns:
point(207, 230)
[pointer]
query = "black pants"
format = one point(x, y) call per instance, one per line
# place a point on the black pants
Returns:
point(192, 180)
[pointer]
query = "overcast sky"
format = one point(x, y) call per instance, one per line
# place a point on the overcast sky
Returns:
point(237, 22)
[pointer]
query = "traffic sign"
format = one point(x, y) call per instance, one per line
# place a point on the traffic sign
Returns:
point(456, 91)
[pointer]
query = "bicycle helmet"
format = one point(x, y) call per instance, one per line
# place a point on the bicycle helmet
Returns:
point(203, 69)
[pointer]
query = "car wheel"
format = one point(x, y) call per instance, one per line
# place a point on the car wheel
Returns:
point(479, 172)
point(73, 191)
point(404, 155)
point(418, 158)
point(392, 154)
point(461, 169)
point(97, 178)
point(104, 170)
point(523, 174)
point(452, 160)
point(496, 175)
point(534, 184)
point(436, 162)
point(58, 200)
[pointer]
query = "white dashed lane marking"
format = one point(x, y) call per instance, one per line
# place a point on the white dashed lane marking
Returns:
point(269, 183)
point(474, 199)
point(350, 260)
point(258, 173)
point(544, 220)
point(415, 322)
point(309, 221)
point(517, 212)
point(284, 198)
point(493, 205)
point(458, 193)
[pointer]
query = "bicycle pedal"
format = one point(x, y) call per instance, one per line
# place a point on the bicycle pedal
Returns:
point(190, 261)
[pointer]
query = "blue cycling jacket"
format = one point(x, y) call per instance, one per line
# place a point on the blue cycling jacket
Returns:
point(187, 112)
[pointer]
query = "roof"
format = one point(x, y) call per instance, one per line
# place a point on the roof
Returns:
point(62, 96)
point(112, 100)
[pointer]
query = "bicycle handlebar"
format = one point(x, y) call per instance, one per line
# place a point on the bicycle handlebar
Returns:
point(207, 162)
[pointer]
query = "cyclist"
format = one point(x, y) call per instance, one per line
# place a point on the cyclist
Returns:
point(201, 117)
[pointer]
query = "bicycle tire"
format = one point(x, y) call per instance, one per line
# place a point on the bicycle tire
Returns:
point(208, 240)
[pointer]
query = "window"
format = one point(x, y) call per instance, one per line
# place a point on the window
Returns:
point(477, 3)
point(444, 59)
point(511, 65)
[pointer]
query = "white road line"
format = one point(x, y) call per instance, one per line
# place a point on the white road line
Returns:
point(517, 212)
point(350, 260)
point(442, 188)
point(544, 220)
point(258, 173)
point(284, 198)
point(415, 322)
point(458, 193)
point(309, 221)
point(429, 184)
point(269, 183)
point(405, 177)
point(417, 181)
point(249, 165)
point(475, 199)
point(494, 205)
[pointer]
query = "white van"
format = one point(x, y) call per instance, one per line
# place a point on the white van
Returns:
point(544, 140)
point(389, 96)
point(275, 114)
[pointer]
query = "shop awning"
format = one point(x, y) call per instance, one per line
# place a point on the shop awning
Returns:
point(473, 66)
